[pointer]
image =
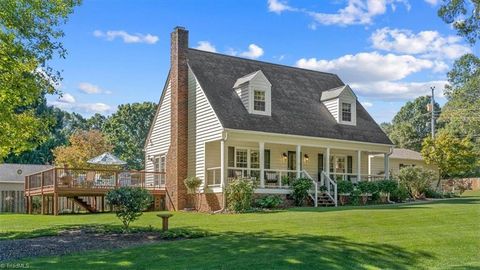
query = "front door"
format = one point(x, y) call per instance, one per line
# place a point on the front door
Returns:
point(292, 164)
point(320, 166)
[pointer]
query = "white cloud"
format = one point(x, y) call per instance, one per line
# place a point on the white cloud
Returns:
point(379, 76)
point(254, 52)
point(66, 98)
point(89, 88)
point(369, 66)
point(432, 2)
point(111, 35)
point(206, 46)
point(397, 90)
point(356, 11)
point(88, 108)
point(278, 7)
point(428, 44)
point(367, 104)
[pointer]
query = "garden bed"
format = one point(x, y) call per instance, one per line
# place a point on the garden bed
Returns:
point(80, 239)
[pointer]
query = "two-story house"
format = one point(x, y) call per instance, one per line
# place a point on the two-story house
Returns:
point(222, 117)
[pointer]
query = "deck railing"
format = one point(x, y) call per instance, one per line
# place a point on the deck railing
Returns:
point(67, 178)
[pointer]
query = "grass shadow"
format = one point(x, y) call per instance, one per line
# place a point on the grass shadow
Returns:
point(102, 229)
point(232, 250)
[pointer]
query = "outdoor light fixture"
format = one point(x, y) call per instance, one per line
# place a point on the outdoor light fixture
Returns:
point(284, 155)
point(305, 157)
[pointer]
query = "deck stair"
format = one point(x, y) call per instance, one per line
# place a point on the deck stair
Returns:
point(84, 204)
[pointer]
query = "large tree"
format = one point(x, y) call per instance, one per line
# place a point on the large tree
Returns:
point(453, 156)
point(83, 145)
point(29, 33)
point(64, 124)
point(127, 130)
point(464, 15)
point(411, 124)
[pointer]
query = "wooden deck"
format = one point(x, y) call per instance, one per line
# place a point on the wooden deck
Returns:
point(85, 186)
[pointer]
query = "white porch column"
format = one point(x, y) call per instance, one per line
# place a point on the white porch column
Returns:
point(327, 162)
point(359, 165)
point(222, 163)
point(261, 147)
point(299, 160)
point(386, 165)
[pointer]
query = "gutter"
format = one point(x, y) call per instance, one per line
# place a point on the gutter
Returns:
point(388, 156)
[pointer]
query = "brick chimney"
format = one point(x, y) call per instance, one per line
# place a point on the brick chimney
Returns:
point(177, 153)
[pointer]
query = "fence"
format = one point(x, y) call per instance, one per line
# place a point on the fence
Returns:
point(12, 201)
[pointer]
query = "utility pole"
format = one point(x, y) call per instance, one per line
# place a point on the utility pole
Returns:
point(432, 104)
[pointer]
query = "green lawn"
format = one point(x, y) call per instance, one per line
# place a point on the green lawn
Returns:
point(437, 235)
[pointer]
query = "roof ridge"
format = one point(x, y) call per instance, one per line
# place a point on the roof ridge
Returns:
point(265, 62)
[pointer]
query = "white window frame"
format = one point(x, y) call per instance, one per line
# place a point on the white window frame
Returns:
point(264, 100)
point(160, 166)
point(351, 112)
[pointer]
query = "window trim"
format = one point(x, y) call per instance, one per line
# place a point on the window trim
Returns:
point(264, 100)
point(350, 112)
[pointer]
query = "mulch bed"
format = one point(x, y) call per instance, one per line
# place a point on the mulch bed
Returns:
point(71, 241)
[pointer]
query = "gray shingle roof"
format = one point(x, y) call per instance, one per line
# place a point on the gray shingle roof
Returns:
point(402, 153)
point(296, 106)
point(17, 172)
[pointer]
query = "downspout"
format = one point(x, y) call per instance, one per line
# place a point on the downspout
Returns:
point(388, 156)
point(224, 200)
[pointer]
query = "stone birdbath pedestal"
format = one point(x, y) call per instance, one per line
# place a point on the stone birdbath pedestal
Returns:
point(165, 218)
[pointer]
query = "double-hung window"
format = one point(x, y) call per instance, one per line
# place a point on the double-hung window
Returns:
point(159, 167)
point(346, 112)
point(259, 100)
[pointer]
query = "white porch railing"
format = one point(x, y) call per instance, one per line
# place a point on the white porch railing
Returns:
point(331, 187)
point(313, 193)
point(353, 177)
point(246, 173)
point(277, 178)
point(272, 178)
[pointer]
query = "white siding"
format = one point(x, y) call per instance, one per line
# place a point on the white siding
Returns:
point(377, 166)
point(159, 141)
point(332, 106)
point(347, 97)
point(246, 93)
point(260, 82)
point(242, 92)
point(203, 126)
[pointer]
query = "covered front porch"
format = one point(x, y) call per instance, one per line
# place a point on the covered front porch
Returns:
point(271, 162)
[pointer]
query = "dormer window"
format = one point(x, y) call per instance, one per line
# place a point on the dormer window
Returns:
point(341, 102)
point(259, 100)
point(255, 92)
point(346, 112)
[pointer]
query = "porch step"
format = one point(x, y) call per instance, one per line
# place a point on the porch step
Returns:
point(84, 204)
point(324, 200)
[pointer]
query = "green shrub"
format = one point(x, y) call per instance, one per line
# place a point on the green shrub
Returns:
point(400, 194)
point(300, 190)
point(387, 186)
point(240, 194)
point(344, 187)
point(193, 183)
point(355, 197)
point(431, 193)
point(128, 203)
point(269, 202)
point(417, 180)
point(366, 187)
point(286, 180)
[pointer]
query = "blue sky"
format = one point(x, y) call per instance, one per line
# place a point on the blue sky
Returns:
point(388, 51)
